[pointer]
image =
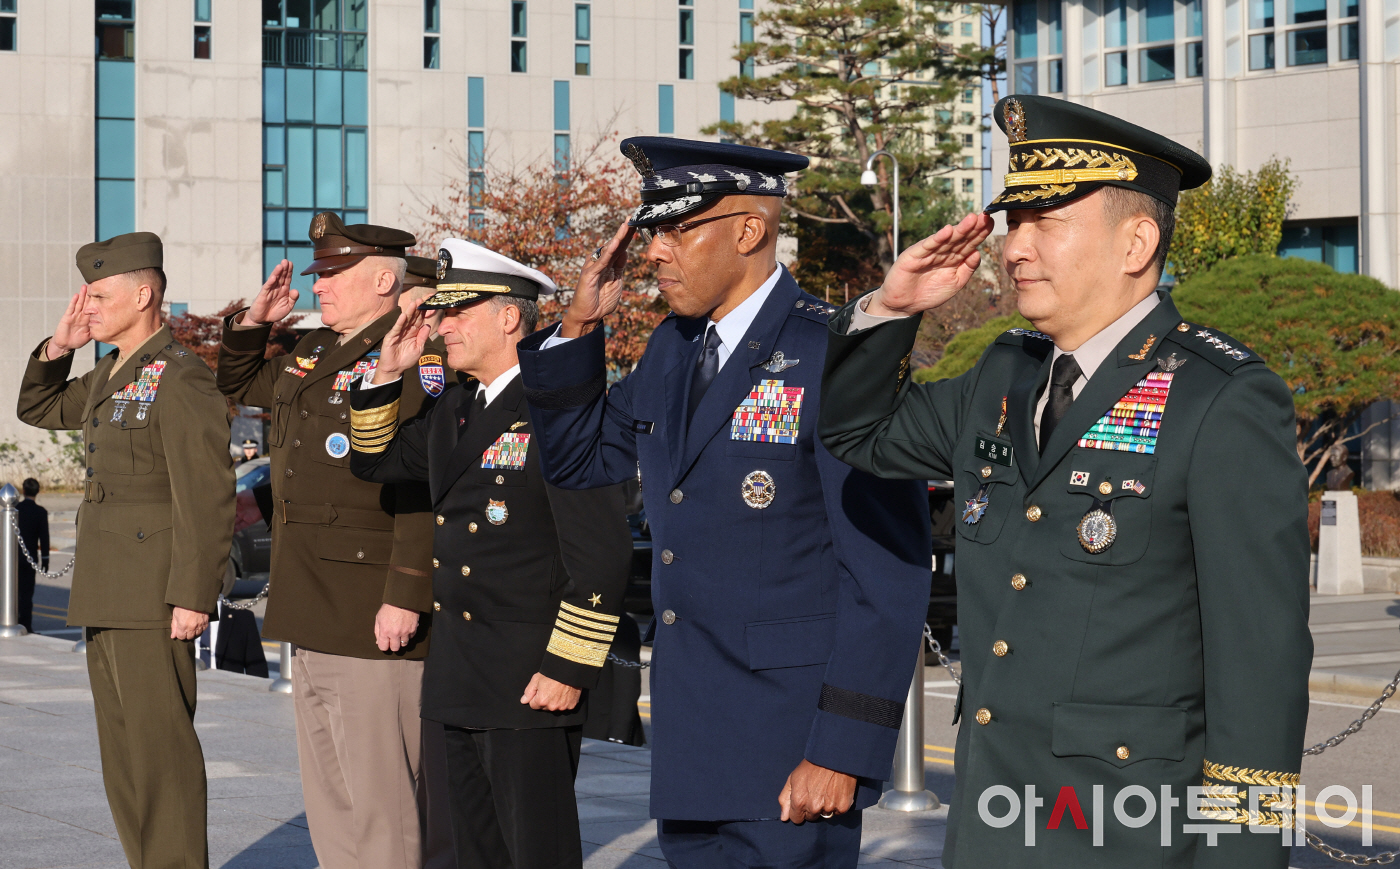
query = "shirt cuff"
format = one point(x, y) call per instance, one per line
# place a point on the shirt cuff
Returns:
point(368, 382)
point(860, 320)
point(556, 339)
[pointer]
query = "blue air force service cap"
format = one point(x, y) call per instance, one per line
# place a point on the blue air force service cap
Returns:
point(468, 273)
point(1062, 150)
point(682, 176)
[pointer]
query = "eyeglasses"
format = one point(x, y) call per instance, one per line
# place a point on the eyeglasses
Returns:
point(670, 233)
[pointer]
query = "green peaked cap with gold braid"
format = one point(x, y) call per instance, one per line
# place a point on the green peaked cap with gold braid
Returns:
point(1062, 150)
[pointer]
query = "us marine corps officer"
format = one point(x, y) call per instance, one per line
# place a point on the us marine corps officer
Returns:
point(790, 588)
point(351, 582)
point(154, 531)
point(528, 579)
point(1133, 546)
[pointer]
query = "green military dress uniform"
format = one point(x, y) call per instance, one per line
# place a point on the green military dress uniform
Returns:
point(154, 532)
point(1133, 600)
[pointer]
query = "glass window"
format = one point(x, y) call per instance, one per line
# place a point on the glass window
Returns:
point(7, 34)
point(476, 189)
point(272, 13)
point(299, 168)
point(430, 52)
point(116, 9)
point(561, 105)
point(325, 46)
point(301, 91)
point(356, 14)
point(726, 107)
point(432, 16)
point(666, 109)
point(686, 68)
point(275, 225)
point(1115, 23)
point(201, 43)
point(298, 13)
point(356, 99)
point(746, 27)
point(116, 41)
point(116, 148)
point(301, 256)
point(116, 89)
point(517, 56)
point(1261, 13)
point(1054, 24)
point(967, 28)
point(1158, 20)
point(476, 102)
point(328, 168)
point(561, 152)
point(116, 208)
point(582, 56)
point(476, 150)
point(201, 9)
point(1306, 11)
point(1026, 78)
point(687, 28)
point(1307, 46)
point(7, 5)
point(1023, 23)
point(328, 97)
point(1349, 39)
point(1158, 64)
point(1115, 68)
point(583, 22)
point(352, 48)
point(274, 145)
point(325, 14)
point(968, 185)
point(1349, 8)
point(356, 169)
point(517, 18)
point(1261, 51)
point(1195, 60)
point(1054, 70)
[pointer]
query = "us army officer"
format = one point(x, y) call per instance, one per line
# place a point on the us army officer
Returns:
point(1133, 548)
point(528, 579)
point(154, 531)
point(351, 560)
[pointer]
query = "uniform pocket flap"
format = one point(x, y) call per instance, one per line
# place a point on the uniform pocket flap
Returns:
point(795, 642)
point(1120, 735)
point(356, 545)
point(136, 522)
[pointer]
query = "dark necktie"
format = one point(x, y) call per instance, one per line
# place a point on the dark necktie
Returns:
point(477, 407)
point(1062, 380)
point(706, 367)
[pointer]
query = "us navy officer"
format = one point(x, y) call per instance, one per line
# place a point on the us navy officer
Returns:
point(1133, 545)
point(790, 588)
point(528, 579)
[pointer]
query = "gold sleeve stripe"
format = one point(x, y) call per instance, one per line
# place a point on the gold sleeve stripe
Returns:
point(1244, 776)
point(370, 450)
point(375, 417)
point(578, 651)
point(560, 623)
point(373, 440)
point(597, 617)
point(597, 626)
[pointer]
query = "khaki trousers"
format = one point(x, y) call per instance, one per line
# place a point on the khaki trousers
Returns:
point(143, 691)
point(359, 741)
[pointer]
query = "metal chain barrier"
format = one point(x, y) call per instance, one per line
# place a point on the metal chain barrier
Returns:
point(14, 524)
point(1381, 859)
point(1360, 722)
point(942, 658)
point(630, 665)
point(250, 602)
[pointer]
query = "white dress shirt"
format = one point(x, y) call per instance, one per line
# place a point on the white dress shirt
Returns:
point(732, 326)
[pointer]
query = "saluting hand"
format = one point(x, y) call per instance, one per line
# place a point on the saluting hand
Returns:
point(402, 346)
point(599, 289)
point(74, 329)
point(931, 272)
point(276, 299)
point(814, 791)
point(553, 695)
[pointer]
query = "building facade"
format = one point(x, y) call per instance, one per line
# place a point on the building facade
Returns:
point(1241, 81)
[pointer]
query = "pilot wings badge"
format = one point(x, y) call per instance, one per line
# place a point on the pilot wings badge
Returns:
point(779, 363)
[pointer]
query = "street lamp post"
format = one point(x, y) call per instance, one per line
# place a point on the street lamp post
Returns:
point(869, 179)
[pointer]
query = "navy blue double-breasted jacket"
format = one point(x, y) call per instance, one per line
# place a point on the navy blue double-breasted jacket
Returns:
point(786, 629)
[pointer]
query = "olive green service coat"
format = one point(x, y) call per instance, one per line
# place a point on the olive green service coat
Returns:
point(341, 547)
point(1177, 655)
point(157, 516)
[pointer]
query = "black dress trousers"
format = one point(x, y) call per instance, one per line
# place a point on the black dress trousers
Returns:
point(512, 797)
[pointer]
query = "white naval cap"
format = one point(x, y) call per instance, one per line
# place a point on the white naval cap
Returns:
point(467, 272)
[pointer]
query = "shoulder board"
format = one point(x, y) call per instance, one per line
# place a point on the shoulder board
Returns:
point(179, 353)
point(812, 308)
point(1018, 336)
point(1216, 347)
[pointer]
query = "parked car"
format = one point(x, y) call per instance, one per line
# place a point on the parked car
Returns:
point(252, 539)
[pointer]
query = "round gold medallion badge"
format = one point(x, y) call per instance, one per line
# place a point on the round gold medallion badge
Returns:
point(758, 490)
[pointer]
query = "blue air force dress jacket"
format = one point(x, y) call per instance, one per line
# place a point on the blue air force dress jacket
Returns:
point(789, 588)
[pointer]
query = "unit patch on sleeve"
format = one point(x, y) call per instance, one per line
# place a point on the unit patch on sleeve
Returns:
point(1132, 425)
point(508, 452)
point(770, 414)
point(430, 373)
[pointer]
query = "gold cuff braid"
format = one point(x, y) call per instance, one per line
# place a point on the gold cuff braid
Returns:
point(595, 616)
point(374, 418)
point(1245, 776)
point(579, 651)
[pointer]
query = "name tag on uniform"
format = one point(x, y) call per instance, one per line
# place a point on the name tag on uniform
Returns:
point(643, 426)
point(994, 450)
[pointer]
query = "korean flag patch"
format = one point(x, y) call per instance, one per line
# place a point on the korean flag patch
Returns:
point(431, 374)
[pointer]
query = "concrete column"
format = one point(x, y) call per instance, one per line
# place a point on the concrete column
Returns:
point(1218, 121)
point(1339, 545)
point(1073, 22)
point(1378, 217)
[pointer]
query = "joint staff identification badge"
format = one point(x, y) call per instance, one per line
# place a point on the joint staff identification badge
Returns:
point(758, 489)
point(507, 453)
point(770, 414)
point(430, 374)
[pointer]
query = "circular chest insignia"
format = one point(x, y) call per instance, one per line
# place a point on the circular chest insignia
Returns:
point(496, 512)
point(758, 490)
point(337, 446)
point(1097, 531)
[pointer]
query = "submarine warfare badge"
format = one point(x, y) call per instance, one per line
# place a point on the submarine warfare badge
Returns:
point(976, 507)
point(1097, 530)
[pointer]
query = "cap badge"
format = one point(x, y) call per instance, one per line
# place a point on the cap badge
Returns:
point(444, 263)
point(97, 263)
point(1015, 116)
point(318, 225)
point(639, 159)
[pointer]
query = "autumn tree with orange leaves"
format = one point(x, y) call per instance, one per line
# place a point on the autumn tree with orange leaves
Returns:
point(553, 220)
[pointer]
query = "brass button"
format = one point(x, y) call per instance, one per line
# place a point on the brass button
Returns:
point(440, 520)
point(676, 496)
point(984, 715)
point(667, 557)
point(1105, 488)
point(360, 555)
point(1018, 581)
point(1182, 327)
point(1000, 648)
point(290, 472)
point(466, 571)
point(304, 414)
point(471, 527)
point(467, 616)
point(1122, 752)
point(437, 607)
point(296, 443)
point(987, 471)
point(668, 617)
point(435, 563)
point(1033, 513)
